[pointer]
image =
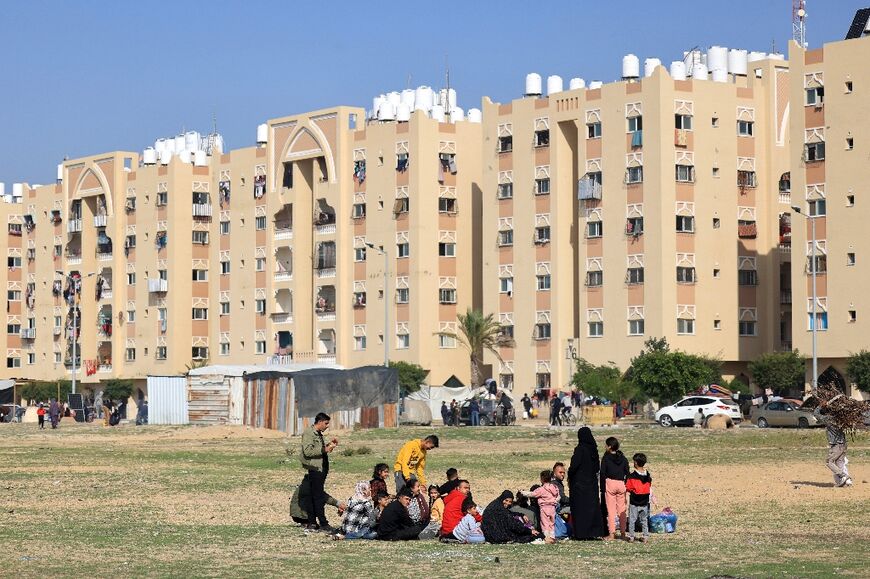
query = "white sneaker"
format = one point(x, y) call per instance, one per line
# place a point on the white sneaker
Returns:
point(847, 482)
point(538, 542)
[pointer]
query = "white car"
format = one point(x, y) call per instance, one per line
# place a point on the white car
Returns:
point(683, 412)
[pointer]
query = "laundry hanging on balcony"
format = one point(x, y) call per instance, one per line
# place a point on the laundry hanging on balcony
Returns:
point(637, 139)
point(359, 171)
point(259, 186)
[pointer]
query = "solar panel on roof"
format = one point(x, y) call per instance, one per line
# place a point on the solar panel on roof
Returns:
point(859, 24)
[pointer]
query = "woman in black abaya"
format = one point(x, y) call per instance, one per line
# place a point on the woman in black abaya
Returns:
point(588, 522)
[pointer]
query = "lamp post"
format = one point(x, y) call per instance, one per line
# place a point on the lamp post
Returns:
point(813, 271)
point(571, 356)
point(386, 303)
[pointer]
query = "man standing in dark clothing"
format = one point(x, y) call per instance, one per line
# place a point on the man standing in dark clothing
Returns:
point(445, 413)
point(474, 411)
point(314, 457)
point(54, 413)
point(555, 410)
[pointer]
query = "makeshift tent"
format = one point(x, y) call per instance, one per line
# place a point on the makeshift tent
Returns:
point(7, 391)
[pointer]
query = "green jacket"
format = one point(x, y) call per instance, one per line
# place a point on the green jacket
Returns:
point(302, 492)
point(313, 450)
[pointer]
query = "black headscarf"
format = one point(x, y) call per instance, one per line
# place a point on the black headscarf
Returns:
point(584, 437)
point(505, 495)
point(499, 525)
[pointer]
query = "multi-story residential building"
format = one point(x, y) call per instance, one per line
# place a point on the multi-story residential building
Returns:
point(673, 232)
point(829, 174)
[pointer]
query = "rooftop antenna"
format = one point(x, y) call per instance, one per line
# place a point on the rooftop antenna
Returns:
point(446, 106)
point(409, 81)
point(799, 22)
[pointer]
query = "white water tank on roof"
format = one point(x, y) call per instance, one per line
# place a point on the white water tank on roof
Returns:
point(649, 66)
point(387, 112)
point(776, 56)
point(717, 58)
point(448, 98)
point(218, 145)
point(200, 159)
point(2, 189)
point(438, 113)
point(169, 146)
point(165, 156)
point(630, 66)
point(18, 189)
point(191, 140)
point(474, 116)
point(699, 71)
point(533, 84)
point(403, 113)
point(394, 98)
point(149, 156)
point(755, 56)
point(376, 105)
point(59, 172)
point(159, 145)
point(457, 114)
point(184, 156)
point(262, 134)
point(408, 96)
point(576, 83)
point(554, 84)
point(424, 98)
point(595, 84)
point(737, 61)
point(719, 75)
point(678, 70)
point(179, 143)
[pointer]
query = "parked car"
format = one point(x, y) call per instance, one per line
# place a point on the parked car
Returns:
point(683, 412)
point(782, 413)
point(490, 414)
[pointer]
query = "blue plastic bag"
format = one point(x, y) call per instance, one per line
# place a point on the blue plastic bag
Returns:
point(664, 522)
point(562, 528)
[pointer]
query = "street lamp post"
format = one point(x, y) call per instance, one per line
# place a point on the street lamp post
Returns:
point(386, 303)
point(813, 271)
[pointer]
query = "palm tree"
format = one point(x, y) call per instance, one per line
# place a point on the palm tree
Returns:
point(478, 333)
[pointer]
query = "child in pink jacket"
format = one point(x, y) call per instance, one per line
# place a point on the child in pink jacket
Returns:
point(548, 497)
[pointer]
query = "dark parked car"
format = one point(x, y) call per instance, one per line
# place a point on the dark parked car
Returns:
point(490, 414)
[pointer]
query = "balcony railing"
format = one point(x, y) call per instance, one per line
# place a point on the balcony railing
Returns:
point(104, 368)
point(785, 296)
point(158, 285)
point(74, 226)
point(57, 331)
point(326, 358)
point(284, 233)
point(282, 318)
point(785, 197)
point(100, 220)
point(326, 229)
point(28, 333)
point(202, 210)
point(279, 360)
point(325, 272)
point(282, 275)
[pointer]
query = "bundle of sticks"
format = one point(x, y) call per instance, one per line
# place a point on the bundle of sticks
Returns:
point(843, 412)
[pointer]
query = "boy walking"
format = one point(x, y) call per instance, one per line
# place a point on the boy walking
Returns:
point(837, 447)
point(638, 484)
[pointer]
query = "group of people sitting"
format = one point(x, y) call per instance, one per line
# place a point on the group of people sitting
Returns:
point(598, 488)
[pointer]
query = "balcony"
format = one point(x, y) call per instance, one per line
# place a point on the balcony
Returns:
point(325, 272)
point(158, 285)
point(282, 275)
point(99, 221)
point(202, 210)
point(326, 229)
point(785, 296)
point(104, 368)
point(279, 360)
point(785, 346)
point(785, 198)
point(28, 333)
point(57, 331)
point(284, 233)
point(74, 226)
point(73, 257)
point(326, 358)
point(747, 231)
point(282, 318)
point(104, 251)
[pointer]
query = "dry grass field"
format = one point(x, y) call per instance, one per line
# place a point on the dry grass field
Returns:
point(190, 502)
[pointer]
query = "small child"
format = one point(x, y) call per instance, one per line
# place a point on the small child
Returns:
point(468, 530)
point(639, 484)
point(614, 471)
point(548, 497)
point(40, 413)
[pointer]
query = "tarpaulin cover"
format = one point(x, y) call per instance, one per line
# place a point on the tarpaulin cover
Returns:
point(7, 389)
point(326, 390)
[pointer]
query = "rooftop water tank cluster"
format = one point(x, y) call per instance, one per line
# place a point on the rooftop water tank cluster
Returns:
point(440, 105)
point(555, 84)
point(190, 147)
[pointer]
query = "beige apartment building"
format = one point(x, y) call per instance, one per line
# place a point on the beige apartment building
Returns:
point(643, 208)
point(829, 178)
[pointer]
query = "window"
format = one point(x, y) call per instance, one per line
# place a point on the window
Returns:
point(359, 299)
point(745, 128)
point(685, 224)
point(447, 249)
point(403, 295)
point(130, 241)
point(685, 173)
point(506, 381)
point(542, 186)
point(446, 205)
point(130, 354)
point(594, 278)
point(359, 211)
point(13, 362)
point(821, 264)
point(15, 229)
point(507, 332)
point(821, 321)
point(596, 329)
point(225, 349)
point(57, 358)
point(447, 296)
point(225, 227)
point(815, 96)
point(683, 122)
point(850, 258)
point(199, 238)
point(162, 198)
point(163, 274)
point(160, 353)
point(746, 179)
point(635, 124)
point(131, 316)
point(200, 275)
point(685, 326)
point(594, 229)
point(715, 172)
point(359, 254)
point(505, 144)
point(542, 234)
point(716, 223)
point(225, 308)
point(199, 352)
point(542, 381)
point(543, 282)
point(635, 327)
point(850, 200)
point(260, 222)
point(748, 328)
point(359, 343)
point(542, 138)
point(402, 205)
point(634, 175)
point(814, 152)
point(542, 331)
point(446, 341)
point(58, 321)
point(225, 267)
point(505, 190)
point(634, 226)
point(685, 275)
point(13, 261)
point(200, 314)
point(13, 329)
point(403, 249)
point(260, 306)
point(260, 347)
point(13, 295)
point(259, 264)
point(403, 341)
point(747, 277)
point(593, 131)
point(717, 324)
point(31, 358)
point(714, 122)
point(634, 276)
point(850, 143)
point(506, 285)
point(131, 278)
point(506, 238)
point(130, 205)
point(848, 87)
point(817, 208)
point(853, 316)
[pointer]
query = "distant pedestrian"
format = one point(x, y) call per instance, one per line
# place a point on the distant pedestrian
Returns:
point(454, 413)
point(40, 415)
point(639, 486)
point(445, 413)
point(54, 413)
point(555, 409)
point(474, 410)
point(836, 447)
point(527, 406)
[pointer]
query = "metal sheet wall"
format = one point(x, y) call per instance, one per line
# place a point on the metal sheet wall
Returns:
point(209, 399)
point(237, 398)
point(167, 400)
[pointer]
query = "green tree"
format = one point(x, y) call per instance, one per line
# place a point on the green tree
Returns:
point(117, 389)
point(411, 376)
point(858, 369)
point(603, 381)
point(666, 376)
point(43, 391)
point(778, 371)
point(478, 333)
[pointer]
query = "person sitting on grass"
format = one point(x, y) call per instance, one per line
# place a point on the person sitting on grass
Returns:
point(396, 523)
point(359, 518)
point(381, 501)
point(548, 498)
point(436, 513)
point(452, 482)
point(468, 530)
point(453, 508)
point(419, 506)
point(500, 526)
point(379, 478)
point(301, 495)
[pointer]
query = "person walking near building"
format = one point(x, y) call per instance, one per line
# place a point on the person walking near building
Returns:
point(445, 413)
point(40, 413)
point(314, 457)
point(836, 446)
point(555, 409)
point(411, 461)
point(474, 410)
point(54, 413)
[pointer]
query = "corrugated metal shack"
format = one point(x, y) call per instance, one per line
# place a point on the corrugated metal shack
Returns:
point(364, 397)
point(167, 400)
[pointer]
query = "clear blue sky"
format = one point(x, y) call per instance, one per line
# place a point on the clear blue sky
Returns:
point(83, 77)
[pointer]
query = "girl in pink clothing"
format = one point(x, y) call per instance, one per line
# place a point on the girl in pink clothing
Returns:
point(548, 497)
